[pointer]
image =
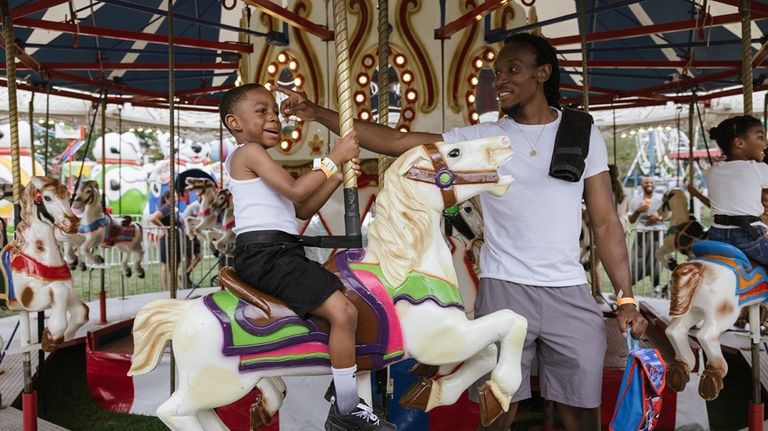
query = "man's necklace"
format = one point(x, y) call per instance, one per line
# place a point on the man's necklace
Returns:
point(531, 153)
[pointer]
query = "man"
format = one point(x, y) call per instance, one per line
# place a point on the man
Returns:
point(644, 211)
point(530, 260)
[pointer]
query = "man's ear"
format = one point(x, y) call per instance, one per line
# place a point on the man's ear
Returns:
point(232, 122)
point(544, 72)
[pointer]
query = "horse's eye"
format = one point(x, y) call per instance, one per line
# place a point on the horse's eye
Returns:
point(468, 210)
point(454, 153)
point(47, 198)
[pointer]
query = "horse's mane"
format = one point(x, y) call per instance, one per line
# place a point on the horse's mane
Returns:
point(401, 226)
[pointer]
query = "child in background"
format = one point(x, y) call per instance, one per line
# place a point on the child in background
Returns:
point(268, 256)
point(736, 184)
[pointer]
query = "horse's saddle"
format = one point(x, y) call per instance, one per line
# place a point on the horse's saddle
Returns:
point(7, 294)
point(118, 230)
point(687, 233)
point(751, 278)
point(272, 325)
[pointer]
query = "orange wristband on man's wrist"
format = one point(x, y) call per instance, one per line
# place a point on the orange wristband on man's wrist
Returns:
point(628, 300)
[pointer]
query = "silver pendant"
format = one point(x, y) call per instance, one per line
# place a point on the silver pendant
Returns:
point(532, 153)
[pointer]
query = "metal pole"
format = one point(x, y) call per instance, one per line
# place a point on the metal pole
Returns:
point(383, 81)
point(29, 397)
point(32, 132)
point(102, 273)
point(172, 239)
point(343, 77)
point(746, 55)
point(47, 126)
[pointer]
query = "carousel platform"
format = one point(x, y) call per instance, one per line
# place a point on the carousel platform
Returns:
point(12, 380)
point(10, 419)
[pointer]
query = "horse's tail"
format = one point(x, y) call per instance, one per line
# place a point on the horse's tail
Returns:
point(152, 327)
point(686, 279)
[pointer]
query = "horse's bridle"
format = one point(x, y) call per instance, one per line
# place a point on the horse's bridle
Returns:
point(445, 178)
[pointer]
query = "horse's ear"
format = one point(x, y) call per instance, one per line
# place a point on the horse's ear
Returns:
point(412, 157)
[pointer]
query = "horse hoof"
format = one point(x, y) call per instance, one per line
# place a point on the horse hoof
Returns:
point(98, 260)
point(127, 273)
point(417, 396)
point(82, 266)
point(140, 274)
point(423, 370)
point(259, 414)
point(49, 344)
point(490, 407)
point(710, 385)
point(677, 376)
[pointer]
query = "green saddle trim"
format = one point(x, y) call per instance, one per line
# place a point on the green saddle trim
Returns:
point(417, 287)
point(227, 302)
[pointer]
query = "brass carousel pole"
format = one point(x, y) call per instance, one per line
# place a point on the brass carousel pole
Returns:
point(47, 119)
point(346, 120)
point(755, 412)
point(29, 396)
point(32, 132)
point(172, 237)
point(383, 82)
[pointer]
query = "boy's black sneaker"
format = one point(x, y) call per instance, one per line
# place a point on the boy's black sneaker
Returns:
point(361, 418)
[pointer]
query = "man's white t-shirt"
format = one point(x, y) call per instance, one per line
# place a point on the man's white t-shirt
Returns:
point(532, 231)
point(734, 188)
point(641, 224)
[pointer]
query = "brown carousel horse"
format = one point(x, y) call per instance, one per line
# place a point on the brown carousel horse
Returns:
point(683, 230)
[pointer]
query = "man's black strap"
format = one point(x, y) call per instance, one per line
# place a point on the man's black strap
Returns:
point(571, 146)
point(280, 237)
point(742, 221)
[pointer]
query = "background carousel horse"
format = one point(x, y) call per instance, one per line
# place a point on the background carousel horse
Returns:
point(34, 274)
point(404, 285)
point(683, 230)
point(222, 240)
point(205, 219)
point(464, 232)
point(99, 229)
point(712, 287)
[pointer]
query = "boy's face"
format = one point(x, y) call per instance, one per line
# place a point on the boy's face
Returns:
point(256, 118)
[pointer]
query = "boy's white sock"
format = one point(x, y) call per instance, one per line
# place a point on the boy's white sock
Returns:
point(346, 388)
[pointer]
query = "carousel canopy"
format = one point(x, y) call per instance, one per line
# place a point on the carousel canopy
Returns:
point(639, 52)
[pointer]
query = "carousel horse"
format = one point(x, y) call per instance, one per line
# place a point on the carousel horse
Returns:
point(404, 285)
point(222, 240)
point(99, 229)
point(34, 274)
point(683, 230)
point(713, 286)
point(464, 232)
point(206, 218)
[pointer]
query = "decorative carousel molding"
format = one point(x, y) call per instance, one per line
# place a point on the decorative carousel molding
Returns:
point(459, 63)
point(313, 68)
point(414, 47)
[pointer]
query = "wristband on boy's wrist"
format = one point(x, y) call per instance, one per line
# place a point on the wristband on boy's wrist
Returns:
point(330, 166)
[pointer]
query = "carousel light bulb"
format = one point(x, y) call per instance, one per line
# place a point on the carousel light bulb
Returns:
point(490, 55)
point(410, 95)
point(61, 124)
point(285, 145)
point(140, 129)
point(295, 135)
point(407, 77)
point(41, 121)
point(365, 115)
point(362, 79)
point(359, 97)
point(623, 135)
point(478, 17)
point(474, 81)
point(400, 59)
point(475, 116)
point(641, 130)
point(632, 132)
point(293, 65)
point(668, 128)
point(272, 69)
point(131, 130)
point(479, 63)
point(471, 98)
point(282, 57)
point(51, 122)
point(404, 129)
point(298, 81)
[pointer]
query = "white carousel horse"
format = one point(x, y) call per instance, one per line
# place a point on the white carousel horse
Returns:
point(683, 230)
point(223, 348)
point(99, 229)
point(464, 233)
point(205, 219)
point(35, 275)
point(713, 287)
point(223, 239)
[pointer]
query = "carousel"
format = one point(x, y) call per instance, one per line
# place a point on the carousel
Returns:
point(110, 124)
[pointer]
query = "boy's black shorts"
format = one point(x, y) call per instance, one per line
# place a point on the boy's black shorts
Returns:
point(284, 271)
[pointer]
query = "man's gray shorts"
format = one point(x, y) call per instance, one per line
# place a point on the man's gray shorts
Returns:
point(565, 331)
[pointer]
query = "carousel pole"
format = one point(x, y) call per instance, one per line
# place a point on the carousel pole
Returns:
point(120, 178)
point(691, 142)
point(31, 112)
point(383, 82)
point(47, 118)
point(172, 237)
point(346, 120)
point(221, 155)
point(102, 271)
point(29, 396)
point(755, 412)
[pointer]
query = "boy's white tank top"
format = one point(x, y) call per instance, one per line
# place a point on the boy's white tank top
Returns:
point(258, 206)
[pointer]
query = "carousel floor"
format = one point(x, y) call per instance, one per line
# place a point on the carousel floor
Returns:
point(11, 419)
point(12, 380)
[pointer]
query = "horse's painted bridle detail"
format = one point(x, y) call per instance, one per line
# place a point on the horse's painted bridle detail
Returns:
point(445, 178)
